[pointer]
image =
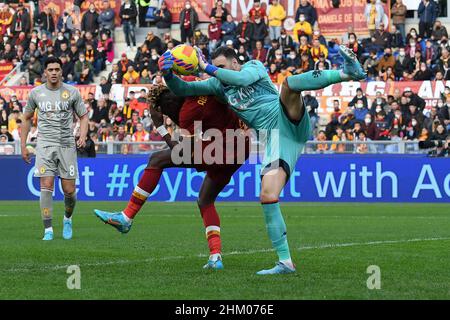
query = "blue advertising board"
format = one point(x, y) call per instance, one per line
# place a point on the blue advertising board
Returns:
point(336, 178)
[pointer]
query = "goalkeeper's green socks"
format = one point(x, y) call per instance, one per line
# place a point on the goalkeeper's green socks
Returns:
point(314, 80)
point(276, 228)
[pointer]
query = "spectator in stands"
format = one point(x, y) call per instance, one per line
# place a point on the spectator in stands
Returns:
point(63, 49)
point(8, 54)
point(359, 96)
point(3, 115)
point(259, 53)
point(440, 133)
point(412, 130)
point(258, 12)
point(273, 72)
point(396, 39)
point(415, 113)
point(402, 63)
point(308, 11)
point(188, 22)
point(93, 57)
point(228, 30)
point(59, 40)
point(146, 121)
point(317, 49)
point(382, 37)
point(276, 16)
point(163, 19)
point(423, 73)
point(106, 18)
point(354, 45)
point(387, 75)
point(139, 136)
point(124, 63)
point(374, 13)
point(378, 104)
point(244, 32)
point(414, 65)
point(65, 25)
point(219, 11)
point(83, 70)
point(306, 63)
point(398, 13)
point(360, 111)
point(243, 54)
point(153, 62)
point(46, 21)
point(338, 136)
point(312, 105)
point(293, 61)
point(286, 41)
point(34, 69)
point(4, 131)
point(428, 12)
point(304, 46)
point(153, 42)
point(131, 76)
point(321, 147)
point(128, 13)
point(433, 118)
point(275, 45)
point(325, 63)
point(259, 31)
point(430, 53)
point(90, 21)
point(115, 76)
point(142, 11)
point(21, 21)
point(439, 31)
point(214, 34)
point(387, 60)
point(106, 49)
point(302, 27)
point(142, 58)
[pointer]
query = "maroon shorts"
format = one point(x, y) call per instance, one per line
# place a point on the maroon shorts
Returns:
point(222, 173)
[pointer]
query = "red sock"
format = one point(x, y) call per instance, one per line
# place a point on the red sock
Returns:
point(142, 191)
point(211, 222)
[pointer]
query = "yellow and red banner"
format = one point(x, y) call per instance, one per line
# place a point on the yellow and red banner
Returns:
point(5, 68)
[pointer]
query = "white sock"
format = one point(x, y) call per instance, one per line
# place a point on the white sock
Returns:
point(67, 219)
point(288, 262)
point(215, 257)
point(126, 218)
point(48, 229)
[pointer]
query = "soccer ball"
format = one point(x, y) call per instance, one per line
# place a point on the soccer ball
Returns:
point(185, 60)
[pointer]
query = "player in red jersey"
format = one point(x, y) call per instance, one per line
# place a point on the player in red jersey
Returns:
point(188, 113)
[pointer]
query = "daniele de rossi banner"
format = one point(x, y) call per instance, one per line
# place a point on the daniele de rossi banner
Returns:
point(316, 178)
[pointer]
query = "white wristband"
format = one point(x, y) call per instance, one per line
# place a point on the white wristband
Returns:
point(162, 130)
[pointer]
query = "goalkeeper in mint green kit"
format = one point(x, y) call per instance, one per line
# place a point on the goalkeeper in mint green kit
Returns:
point(249, 92)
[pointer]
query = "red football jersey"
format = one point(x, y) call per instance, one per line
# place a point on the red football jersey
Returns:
point(208, 110)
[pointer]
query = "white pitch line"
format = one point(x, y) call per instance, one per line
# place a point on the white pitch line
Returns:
point(231, 253)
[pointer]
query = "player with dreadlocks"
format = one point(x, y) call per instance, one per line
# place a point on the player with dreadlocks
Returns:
point(192, 115)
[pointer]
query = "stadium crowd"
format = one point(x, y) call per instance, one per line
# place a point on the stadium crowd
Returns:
point(85, 42)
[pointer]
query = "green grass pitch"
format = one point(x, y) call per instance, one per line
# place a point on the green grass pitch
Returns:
point(163, 254)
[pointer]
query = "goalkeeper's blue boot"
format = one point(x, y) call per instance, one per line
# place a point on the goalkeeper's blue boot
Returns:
point(48, 235)
point(280, 268)
point(116, 219)
point(352, 67)
point(214, 263)
point(67, 229)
